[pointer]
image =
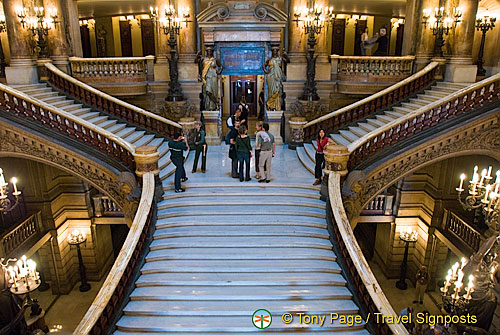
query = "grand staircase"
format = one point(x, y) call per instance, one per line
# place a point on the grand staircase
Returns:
point(129, 133)
point(355, 131)
point(224, 249)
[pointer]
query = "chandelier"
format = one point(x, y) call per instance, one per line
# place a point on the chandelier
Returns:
point(482, 193)
point(39, 23)
point(313, 18)
point(483, 23)
point(440, 23)
point(5, 203)
point(453, 300)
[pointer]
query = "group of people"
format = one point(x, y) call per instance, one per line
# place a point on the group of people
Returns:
point(368, 43)
point(240, 151)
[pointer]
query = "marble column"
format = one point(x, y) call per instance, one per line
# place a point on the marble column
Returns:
point(73, 26)
point(425, 38)
point(161, 72)
point(297, 46)
point(274, 120)
point(187, 42)
point(212, 127)
point(58, 44)
point(460, 41)
point(323, 48)
point(413, 24)
point(22, 68)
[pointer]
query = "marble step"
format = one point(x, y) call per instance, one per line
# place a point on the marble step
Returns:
point(125, 132)
point(310, 151)
point(377, 122)
point(80, 111)
point(230, 185)
point(436, 93)
point(402, 111)
point(196, 323)
point(53, 99)
point(428, 98)
point(348, 135)
point(285, 254)
point(276, 279)
point(236, 230)
point(98, 120)
point(72, 107)
point(40, 96)
point(358, 131)
point(242, 307)
point(62, 103)
point(144, 140)
point(304, 159)
point(200, 294)
point(444, 89)
point(339, 139)
point(117, 128)
point(36, 90)
point(25, 87)
point(239, 266)
point(134, 137)
point(89, 116)
point(118, 332)
point(240, 242)
point(456, 86)
point(411, 106)
point(384, 118)
point(108, 123)
point(222, 193)
point(248, 200)
point(366, 126)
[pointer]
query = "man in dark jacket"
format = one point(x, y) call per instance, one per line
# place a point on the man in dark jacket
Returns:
point(176, 146)
point(383, 43)
point(232, 150)
point(201, 148)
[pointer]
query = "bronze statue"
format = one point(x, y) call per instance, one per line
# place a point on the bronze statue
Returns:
point(209, 68)
point(274, 68)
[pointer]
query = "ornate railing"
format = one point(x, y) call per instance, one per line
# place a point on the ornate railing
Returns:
point(112, 69)
point(104, 206)
point(462, 101)
point(462, 230)
point(380, 205)
point(110, 105)
point(374, 103)
point(367, 288)
point(113, 291)
point(62, 122)
point(368, 68)
point(21, 233)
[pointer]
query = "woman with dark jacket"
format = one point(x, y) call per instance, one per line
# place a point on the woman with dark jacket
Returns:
point(243, 152)
point(321, 142)
point(244, 112)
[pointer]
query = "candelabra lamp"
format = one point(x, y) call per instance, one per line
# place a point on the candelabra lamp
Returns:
point(23, 279)
point(484, 24)
point(39, 23)
point(171, 25)
point(482, 193)
point(76, 238)
point(408, 236)
point(6, 204)
point(440, 23)
point(453, 301)
point(312, 20)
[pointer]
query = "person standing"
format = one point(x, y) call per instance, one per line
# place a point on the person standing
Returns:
point(267, 147)
point(233, 134)
point(244, 152)
point(201, 148)
point(422, 279)
point(262, 100)
point(321, 142)
point(244, 112)
point(258, 127)
point(176, 146)
point(383, 42)
point(364, 37)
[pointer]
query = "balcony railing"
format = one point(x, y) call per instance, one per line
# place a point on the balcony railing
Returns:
point(112, 69)
point(462, 230)
point(442, 110)
point(20, 234)
point(380, 205)
point(371, 69)
point(104, 206)
point(372, 104)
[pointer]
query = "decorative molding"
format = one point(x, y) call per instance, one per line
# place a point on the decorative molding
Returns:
point(481, 136)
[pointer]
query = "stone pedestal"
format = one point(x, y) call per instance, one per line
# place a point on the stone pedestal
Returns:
point(296, 131)
point(146, 160)
point(62, 63)
point(336, 158)
point(187, 124)
point(212, 127)
point(274, 120)
point(161, 70)
point(43, 73)
point(460, 73)
point(21, 71)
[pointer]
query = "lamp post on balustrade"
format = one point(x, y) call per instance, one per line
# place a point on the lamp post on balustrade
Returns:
point(76, 238)
point(312, 21)
point(171, 24)
point(409, 236)
point(484, 24)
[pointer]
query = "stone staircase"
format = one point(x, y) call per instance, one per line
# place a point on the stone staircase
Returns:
point(345, 137)
point(120, 128)
point(224, 249)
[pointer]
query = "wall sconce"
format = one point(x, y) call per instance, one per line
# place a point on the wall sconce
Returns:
point(90, 23)
point(395, 22)
point(39, 23)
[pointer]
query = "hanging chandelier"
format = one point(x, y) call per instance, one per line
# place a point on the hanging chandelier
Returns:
point(6, 204)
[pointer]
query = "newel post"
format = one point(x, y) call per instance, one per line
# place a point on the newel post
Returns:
point(336, 158)
point(146, 160)
point(297, 124)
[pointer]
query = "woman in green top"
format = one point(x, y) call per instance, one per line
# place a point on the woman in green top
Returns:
point(243, 152)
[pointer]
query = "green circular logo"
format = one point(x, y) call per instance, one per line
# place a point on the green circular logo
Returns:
point(262, 318)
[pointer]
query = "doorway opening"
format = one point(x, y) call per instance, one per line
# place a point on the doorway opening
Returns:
point(244, 87)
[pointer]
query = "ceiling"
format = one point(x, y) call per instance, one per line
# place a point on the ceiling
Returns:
point(97, 8)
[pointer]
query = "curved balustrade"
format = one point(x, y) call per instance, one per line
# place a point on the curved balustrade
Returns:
point(368, 68)
point(20, 234)
point(458, 227)
point(110, 69)
point(376, 102)
point(35, 110)
point(462, 101)
point(108, 104)
point(107, 302)
point(368, 289)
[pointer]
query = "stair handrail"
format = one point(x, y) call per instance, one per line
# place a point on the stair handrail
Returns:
point(342, 113)
point(376, 302)
point(162, 125)
point(89, 127)
point(106, 59)
point(119, 277)
point(454, 104)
